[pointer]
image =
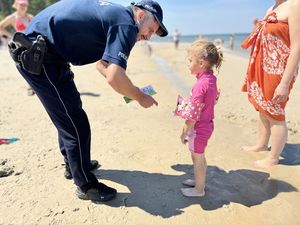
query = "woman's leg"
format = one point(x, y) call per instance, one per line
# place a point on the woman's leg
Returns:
point(264, 132)
point(279, 134)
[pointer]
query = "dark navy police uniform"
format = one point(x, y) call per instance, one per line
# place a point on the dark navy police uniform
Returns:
point(78, 32)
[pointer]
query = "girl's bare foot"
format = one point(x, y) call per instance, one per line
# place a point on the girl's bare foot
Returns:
point(255, 148)
point(189, 182)
point(192, 192)
point(265, 163)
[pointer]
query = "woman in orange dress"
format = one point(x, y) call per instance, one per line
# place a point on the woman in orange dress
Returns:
point(272, 69)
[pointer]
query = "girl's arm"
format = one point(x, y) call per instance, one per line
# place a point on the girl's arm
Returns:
point(188, 125)
point(7, 21)
point(281, 92)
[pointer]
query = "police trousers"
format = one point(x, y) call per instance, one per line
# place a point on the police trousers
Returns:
point(57, 91)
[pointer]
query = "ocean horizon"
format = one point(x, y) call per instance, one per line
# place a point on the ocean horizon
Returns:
point(238, 39)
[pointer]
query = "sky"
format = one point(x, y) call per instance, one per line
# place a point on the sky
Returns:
point(195, 17)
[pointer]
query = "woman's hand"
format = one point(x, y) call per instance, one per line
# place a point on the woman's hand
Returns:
point(281, 93)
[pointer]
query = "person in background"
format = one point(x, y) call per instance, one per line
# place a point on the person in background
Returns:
point(19, 21)
point(231, 42)
point(198, 110)
point(219, 42)
point(176, 38)
point(147, 47)
point(271, 73)
point(68, 28)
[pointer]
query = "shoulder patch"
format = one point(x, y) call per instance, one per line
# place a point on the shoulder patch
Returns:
point(123, 56)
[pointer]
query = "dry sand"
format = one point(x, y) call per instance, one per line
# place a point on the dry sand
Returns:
point(141, 154)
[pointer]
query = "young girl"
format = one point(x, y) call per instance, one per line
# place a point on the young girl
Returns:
point(198, 110)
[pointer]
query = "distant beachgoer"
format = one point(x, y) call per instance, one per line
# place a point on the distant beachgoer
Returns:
point(176, 38)
point(273, 66)
point(198, 110)
point(4, 40)
point(19, 21)
point(198, 36)
point(147, 47)
point(231, 42)
point(218, 42)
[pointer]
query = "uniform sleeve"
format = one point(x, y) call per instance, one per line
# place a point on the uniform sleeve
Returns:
point(120, 41)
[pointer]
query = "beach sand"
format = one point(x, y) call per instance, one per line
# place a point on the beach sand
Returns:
point(141, 155)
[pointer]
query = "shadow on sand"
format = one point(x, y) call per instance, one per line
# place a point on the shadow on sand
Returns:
point(290, 155)
point(159, 194)
point(89, 94)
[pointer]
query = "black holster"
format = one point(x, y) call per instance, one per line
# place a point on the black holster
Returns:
point(29, 53)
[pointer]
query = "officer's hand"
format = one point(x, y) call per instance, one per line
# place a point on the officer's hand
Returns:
point(147, 101)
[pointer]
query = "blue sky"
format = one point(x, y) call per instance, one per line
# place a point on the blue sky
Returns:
point(210, 16)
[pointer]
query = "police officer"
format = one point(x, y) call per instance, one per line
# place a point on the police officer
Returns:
point(82, 32)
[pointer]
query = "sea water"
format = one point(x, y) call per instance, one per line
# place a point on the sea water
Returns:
point(171, 74)
point(238, 39)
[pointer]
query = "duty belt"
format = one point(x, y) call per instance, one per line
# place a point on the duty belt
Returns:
point(32, 54)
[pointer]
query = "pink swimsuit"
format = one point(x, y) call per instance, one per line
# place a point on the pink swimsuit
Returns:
point(21, 23)
point(200, 108)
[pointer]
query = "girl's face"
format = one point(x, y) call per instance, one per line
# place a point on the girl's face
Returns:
point(195, 65)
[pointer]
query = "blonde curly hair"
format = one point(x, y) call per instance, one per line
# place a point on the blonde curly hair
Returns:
point(206, 50)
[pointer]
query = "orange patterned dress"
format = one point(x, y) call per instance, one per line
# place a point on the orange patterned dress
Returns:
point(270, 49)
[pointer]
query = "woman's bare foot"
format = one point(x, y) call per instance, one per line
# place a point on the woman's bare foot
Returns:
point(192, 192)
point(255, 148)
point(265, 163)
point(189, 182)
